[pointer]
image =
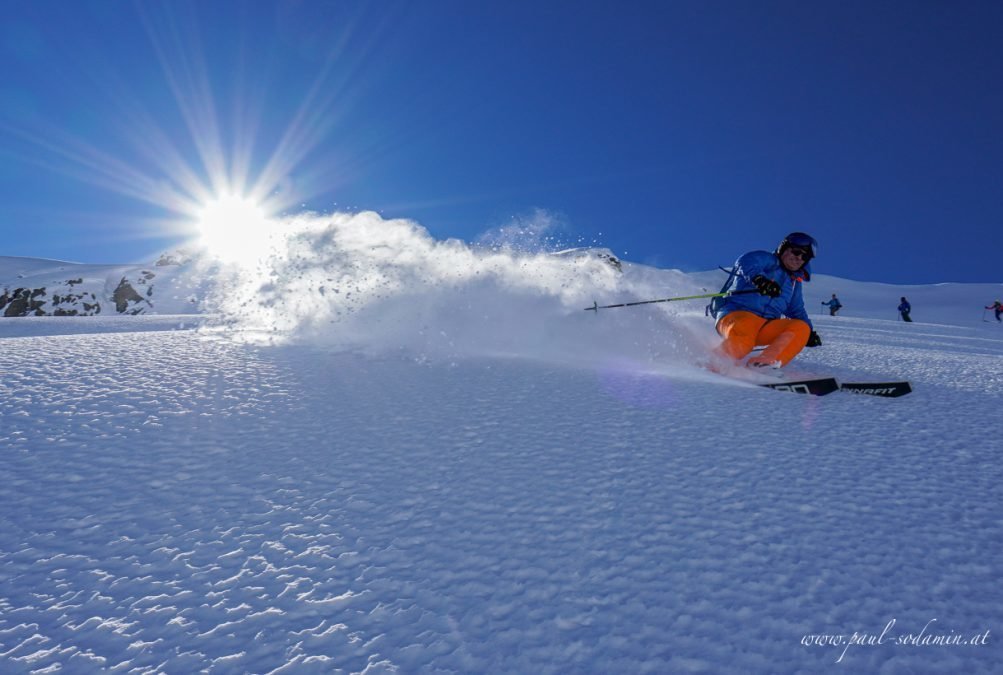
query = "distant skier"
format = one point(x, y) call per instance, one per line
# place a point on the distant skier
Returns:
point(904, 309)
point(999, 309)
point(834, 305)
point(745, 321)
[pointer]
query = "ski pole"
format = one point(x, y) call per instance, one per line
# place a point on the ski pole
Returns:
point(596, 306)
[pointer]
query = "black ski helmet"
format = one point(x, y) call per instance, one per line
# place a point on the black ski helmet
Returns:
point(799, 240)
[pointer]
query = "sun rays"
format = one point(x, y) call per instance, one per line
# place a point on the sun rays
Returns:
point(203, 130)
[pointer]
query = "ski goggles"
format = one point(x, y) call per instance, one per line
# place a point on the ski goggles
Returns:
point(803, 253)
point(804, 243)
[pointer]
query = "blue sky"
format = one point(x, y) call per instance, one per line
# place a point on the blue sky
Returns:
point(679, 134)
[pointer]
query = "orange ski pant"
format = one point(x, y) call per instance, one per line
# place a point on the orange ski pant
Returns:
point(743, 331)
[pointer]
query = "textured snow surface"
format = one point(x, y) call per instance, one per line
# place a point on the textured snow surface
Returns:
point(215, 505)
point(548, 491)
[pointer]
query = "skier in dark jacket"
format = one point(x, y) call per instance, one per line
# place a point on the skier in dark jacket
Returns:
point(834, 305)
point(998, 306)
point(904, 309)
point(775, 316)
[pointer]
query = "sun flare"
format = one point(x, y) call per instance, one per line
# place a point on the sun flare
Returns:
point(235, 228)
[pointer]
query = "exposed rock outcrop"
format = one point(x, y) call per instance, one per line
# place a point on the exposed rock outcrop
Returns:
point(127, 300)
point(23, 302)
point(178, 257)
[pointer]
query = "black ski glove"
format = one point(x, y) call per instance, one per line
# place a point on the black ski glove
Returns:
point(814, 340)
point(766, 286)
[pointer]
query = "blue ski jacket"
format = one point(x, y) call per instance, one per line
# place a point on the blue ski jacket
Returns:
point(790, 302)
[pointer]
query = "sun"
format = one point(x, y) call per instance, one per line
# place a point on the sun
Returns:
point(235, 228)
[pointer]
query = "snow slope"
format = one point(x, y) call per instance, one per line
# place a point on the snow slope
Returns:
point(440, 463)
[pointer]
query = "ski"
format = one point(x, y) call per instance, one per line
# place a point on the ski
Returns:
point(826, 385)
point(814, 387)
point(888, 389)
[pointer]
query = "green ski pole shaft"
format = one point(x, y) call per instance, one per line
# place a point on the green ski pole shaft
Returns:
point(596, 306)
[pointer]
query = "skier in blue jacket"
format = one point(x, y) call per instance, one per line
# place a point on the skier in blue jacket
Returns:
point(775, 316)
point(834, 305)
point(904, 309)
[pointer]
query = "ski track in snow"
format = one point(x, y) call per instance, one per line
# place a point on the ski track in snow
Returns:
point(174, 501)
